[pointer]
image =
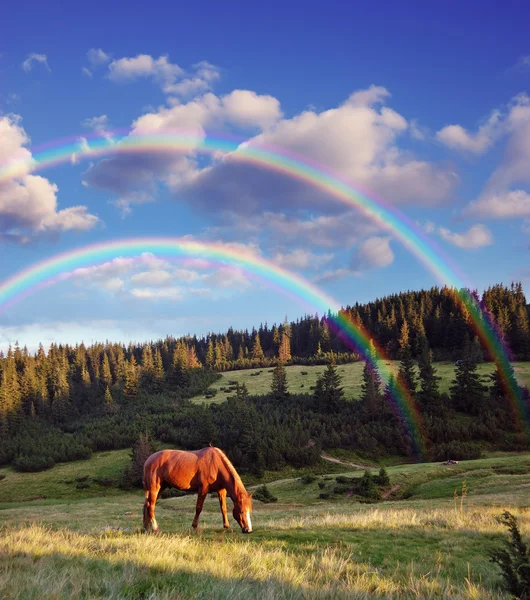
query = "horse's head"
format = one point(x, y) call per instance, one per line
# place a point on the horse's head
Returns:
point(242, 510)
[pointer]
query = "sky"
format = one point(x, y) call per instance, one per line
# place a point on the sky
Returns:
point(424, 108)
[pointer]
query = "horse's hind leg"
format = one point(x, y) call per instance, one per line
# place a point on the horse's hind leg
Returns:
point(198, 509)
point(151, 496)
point(222, 502)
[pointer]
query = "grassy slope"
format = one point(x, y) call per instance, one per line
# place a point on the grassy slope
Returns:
point(425, 546)
point(351, 378)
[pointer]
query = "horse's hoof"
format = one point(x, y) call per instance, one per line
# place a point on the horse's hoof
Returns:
point(226, 526)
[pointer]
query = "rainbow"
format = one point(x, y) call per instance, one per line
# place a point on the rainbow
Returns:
point(384, 215)
point(50, 271)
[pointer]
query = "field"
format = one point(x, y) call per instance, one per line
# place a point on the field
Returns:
point(421, 543)
point(258, 381)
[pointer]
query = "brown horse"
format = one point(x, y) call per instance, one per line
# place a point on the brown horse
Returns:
point(201, 471)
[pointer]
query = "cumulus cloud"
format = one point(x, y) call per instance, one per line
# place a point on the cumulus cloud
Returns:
point(373, 253)
point(301, 258)
point(459, 138)
point(358, 140)
point(148, 277)
point(506, 193)
point(28, 203)
point(157, 277)
point(143, 65)
point(477, 236)
point(33, 59)
point(200, 81)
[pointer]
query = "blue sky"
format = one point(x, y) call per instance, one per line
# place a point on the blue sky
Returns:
point(427, 108)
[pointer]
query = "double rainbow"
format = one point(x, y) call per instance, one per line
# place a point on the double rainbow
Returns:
point(290, 165)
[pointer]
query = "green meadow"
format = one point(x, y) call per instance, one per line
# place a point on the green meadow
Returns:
point(258, 381)
point(429, 539)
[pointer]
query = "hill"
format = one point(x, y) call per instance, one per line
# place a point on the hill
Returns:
point(427, 545)
point(301, 378)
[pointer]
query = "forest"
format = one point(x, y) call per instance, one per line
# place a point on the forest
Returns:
point(63, 403)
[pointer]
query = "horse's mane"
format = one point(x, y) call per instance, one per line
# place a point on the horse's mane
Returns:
point(231, 469)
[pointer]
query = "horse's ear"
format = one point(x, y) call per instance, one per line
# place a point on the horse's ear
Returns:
point(250, 495)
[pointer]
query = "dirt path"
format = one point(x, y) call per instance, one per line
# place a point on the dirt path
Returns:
point(386, 494)
point(340, 462)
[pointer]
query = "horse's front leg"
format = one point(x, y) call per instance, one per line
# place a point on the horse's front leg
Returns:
point(198, 509)
point(151, 496)
point(222, 502)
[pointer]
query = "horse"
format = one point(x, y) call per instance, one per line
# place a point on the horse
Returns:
point(201, 471)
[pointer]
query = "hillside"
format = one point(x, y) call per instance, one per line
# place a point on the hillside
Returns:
point(301, 378)
point(302, 546)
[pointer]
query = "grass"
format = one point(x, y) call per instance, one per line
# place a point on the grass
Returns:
point(426, 546)
point(351, 378)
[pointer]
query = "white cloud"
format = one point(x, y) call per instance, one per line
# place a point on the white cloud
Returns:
point(157, 277)
point(169, 293)
point(28, 203)
point(506, 193)
point(373, 253)
point(226, 278)
point(97, 57)
point(358, 140)
point(248, 109)
point(201, 81)
point(160, 69)
point(33, 59)
point(301, 258)
point(458, 138)
point(504, 205)
point(477, 236)
point(98, 124)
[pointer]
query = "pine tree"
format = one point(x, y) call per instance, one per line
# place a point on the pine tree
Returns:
point(467, 391)
point(242, 392)
point(131, 385)
point(406, 366)
point(284, 352)
point(210, 355)
point(106, 374)
point(370, 389)
point(193, 361)
point(279, 382)
point(257, 352)
point(108, 402)
point(178, 376)
point(142, 450)
point(158, 372)
point(429, 394)
point(328, 391)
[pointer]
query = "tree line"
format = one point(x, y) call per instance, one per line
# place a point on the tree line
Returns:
point(75, 400)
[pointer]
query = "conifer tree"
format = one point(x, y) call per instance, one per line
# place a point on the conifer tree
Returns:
point(279, 388)
point(429, 394)
point(106, 374)
point(328, 391)
point(467, 391)
point(131, 385)
point(108, 401)
point(284, 352)
point(257, 352)
point(406, 366)
point(142, 450)
point(193, 361)
point(210, 355)
point(370, 389)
